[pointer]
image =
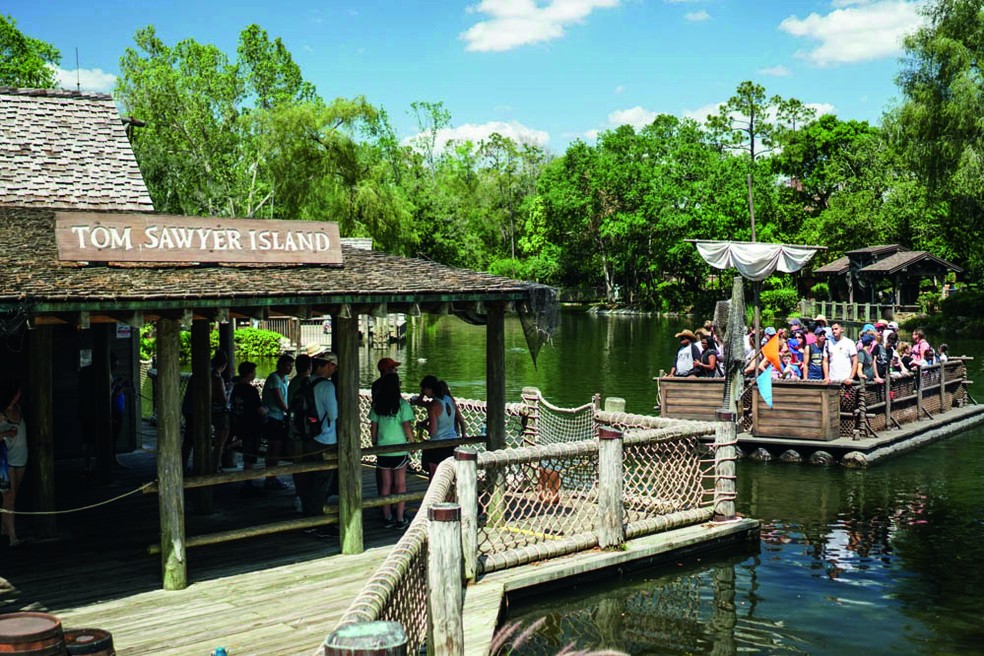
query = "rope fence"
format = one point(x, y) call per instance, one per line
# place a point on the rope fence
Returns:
point(551, 498)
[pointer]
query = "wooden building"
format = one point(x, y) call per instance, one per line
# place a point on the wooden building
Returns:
point(856, 276)
point(67, 172)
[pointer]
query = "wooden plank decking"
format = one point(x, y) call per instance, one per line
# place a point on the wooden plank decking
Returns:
point(272, 595)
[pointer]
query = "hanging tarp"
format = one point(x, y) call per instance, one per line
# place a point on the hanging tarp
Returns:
point(755, 261)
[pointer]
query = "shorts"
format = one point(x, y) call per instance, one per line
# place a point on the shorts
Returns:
point(220, 421)
point(391, 462)
point(437, 456)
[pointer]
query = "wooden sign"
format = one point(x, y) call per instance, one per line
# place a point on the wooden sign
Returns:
point(92, 237)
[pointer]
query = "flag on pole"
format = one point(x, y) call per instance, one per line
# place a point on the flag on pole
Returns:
point(764, 384)
point(770, 351)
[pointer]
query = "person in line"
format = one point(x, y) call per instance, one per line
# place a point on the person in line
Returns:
point(292, 450)
point(318, 484)
point(248, 412)
point(444, 421)
point(867, 370)
point(687, 355)
point(384, 366)
point(275, 429)
point(816, 356)
point(390, 420)
point(842, 357)
point(219, 407)
point(919, 347)
point(821, 321)
point(707, 365)
point(943, 354)
point(14, 434)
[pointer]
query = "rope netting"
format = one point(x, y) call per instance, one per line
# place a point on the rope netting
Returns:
point(667, 472)
point(397, 592)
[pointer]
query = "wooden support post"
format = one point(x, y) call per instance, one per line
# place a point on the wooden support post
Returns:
point(867, 312)
point(942, 387)
point(466, 482)
point(611, 508)
point(345, 339)
point(170, 474)
point(102, 394)
point(444, 592)
point(201, 398)
point(227, 343)
point(725, 439)
point(495, 376)
point(42, 446)
point(367, 639)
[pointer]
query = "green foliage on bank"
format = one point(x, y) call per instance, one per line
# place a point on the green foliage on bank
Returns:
point(250, 343)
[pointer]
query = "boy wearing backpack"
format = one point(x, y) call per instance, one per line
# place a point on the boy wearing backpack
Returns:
point(315, 416)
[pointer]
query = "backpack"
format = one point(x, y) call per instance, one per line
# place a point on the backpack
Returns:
point(305, 423)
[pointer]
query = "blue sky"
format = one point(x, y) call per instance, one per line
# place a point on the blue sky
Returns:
point(546, 71)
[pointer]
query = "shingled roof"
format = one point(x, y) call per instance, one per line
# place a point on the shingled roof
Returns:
point(64, 149)
point(834, 268)
point(31, 274)
point(906, 259)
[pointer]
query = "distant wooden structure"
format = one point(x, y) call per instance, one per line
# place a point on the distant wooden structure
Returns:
point(56, 297)
point(861, 269)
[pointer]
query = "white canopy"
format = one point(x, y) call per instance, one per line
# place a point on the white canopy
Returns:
point(755, 261)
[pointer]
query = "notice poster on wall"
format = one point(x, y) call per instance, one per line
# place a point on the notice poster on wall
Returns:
point(123, 331)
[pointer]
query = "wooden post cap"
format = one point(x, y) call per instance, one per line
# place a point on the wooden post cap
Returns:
point(465, 453)
point(530, 391)
point(606, 433)
point(367, 639)
point(444, 512)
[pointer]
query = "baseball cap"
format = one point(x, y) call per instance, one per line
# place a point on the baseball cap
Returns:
point(867, 328)
point(387, 363)
point(795, 322)
point(770, 331)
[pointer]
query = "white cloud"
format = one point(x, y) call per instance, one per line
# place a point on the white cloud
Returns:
point(619, 89)
point(697, 16)
point(477, 132)
point(514, 23)
point(89, 79)
point(592, 134)
point(775, 71)
point(637, 117)
point(859, 30)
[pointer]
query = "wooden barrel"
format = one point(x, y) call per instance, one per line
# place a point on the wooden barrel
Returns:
point(93, 642)
point(31, 634)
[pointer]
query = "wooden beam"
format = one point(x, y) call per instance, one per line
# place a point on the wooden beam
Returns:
point(201, 401)
point(42, 447)
point(495, 376)
point(170, 473)
point(102, 395)
point(345, 341)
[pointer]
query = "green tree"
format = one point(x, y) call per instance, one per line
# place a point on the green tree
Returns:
point(938, 125)
point(25, 61)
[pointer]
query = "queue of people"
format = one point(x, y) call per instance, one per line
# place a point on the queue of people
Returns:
point(812, 350)
point(296, 415)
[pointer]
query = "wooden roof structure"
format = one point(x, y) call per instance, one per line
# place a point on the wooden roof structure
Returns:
point(67, 153)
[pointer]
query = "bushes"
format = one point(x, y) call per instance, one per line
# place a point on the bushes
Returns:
point(780, 302)
point(821, 291)
point(250, 343)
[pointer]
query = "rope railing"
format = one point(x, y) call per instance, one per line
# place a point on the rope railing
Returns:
point(542, 501)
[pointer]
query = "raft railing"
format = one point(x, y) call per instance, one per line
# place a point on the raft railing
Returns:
point(862, 410)
point(636, 476)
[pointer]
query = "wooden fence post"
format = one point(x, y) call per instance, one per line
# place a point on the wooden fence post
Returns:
point(942, 388)
point(919, 408)
point(367, 639)
point(201, 399)
point(611, 525)
point(41, 428)
point(466, 481)
point(725, 439)
point(888, 401)
point(444, 591)
point(531, 431)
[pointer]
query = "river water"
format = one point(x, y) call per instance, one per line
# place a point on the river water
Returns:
point(882, 561)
